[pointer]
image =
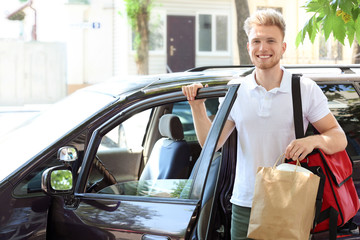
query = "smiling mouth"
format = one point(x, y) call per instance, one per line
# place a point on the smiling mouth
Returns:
point(263, 56)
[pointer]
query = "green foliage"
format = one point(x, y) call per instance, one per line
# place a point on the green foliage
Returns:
point(135, 9)
point(61, 180)
point(182, 189)
point(19, 16)
point(339, 17)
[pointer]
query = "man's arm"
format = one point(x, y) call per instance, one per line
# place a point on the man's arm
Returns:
point(202, 122)
point(331, 139)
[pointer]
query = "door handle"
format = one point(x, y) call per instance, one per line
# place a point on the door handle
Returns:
point(154, 237)
point(172, 50)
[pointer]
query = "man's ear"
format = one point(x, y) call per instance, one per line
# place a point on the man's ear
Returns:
point(247, 46)
point(284, 47)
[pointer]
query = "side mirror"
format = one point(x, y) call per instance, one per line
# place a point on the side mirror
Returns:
point(67, 154)
point(57, 181)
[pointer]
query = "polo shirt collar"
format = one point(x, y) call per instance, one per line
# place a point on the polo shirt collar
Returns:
point(285, 85)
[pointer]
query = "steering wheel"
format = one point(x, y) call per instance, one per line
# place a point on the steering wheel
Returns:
point(106, 178)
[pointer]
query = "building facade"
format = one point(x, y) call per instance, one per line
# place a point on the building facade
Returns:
point(184, 34)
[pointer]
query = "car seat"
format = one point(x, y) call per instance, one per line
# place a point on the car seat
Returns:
point(170, 156)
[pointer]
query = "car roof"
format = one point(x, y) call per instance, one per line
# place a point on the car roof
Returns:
point(125, 86)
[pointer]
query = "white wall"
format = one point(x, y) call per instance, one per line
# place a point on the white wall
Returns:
point(32, 72)
point(97, 54)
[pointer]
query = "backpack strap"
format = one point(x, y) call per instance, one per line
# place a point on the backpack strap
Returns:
point(297, 106)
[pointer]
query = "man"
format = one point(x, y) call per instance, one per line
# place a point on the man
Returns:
point(262, 115)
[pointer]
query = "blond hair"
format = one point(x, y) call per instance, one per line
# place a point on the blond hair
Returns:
point(267, 17)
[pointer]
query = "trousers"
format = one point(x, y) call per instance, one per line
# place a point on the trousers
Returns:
point(239, 222)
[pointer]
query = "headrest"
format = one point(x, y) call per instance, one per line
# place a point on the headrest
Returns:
point(171, 127)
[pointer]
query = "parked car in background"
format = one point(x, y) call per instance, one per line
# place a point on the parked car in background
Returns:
point(120, 159)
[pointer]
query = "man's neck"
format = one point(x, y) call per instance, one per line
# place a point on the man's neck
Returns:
point(269, 78)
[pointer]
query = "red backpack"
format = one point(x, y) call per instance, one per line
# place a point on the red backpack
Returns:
point(337, 201)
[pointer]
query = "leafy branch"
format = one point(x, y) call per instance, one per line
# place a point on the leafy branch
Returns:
point(138, 13)
point(339, 17)
point(135, 9)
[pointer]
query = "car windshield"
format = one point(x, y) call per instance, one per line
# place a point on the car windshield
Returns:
point(23, 143)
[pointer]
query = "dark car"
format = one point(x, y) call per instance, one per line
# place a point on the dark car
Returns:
point(120, 160)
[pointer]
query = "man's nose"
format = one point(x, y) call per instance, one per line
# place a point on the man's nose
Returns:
point(263, 46)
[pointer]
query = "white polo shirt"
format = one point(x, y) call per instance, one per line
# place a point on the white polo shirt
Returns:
point(265, 127)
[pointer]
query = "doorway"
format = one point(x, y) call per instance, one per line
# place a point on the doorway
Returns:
point(180, 43)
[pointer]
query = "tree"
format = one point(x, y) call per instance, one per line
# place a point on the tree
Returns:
point(242, 12)
point(341, 18)
point(138, 12)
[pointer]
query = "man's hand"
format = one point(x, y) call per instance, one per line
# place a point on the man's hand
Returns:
point(190, 91)
point(331, 139)
point(298, 149)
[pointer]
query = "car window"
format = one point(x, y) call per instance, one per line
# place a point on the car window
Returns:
point(119, 156)
point(344, 103)
point(127, 134)
point(182, 109)
point(168, 168)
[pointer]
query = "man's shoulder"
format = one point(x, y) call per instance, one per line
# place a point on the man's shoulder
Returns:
point(305, 81)
point(310, 88)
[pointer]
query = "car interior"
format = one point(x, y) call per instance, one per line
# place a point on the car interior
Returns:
point(170, 164)
point(169, 151)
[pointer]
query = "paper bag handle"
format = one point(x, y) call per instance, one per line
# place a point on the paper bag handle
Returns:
point(282, 158)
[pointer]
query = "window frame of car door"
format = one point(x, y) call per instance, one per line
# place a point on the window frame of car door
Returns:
point(148, 102)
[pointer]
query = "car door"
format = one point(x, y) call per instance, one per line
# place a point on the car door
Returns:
point(126, 208)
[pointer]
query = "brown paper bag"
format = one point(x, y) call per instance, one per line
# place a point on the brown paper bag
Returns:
point(283, 205)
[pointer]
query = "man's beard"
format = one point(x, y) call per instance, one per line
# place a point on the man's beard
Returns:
point(267, 65)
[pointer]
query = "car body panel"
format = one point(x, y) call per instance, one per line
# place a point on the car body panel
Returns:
point(22, 218)
point(121, 218)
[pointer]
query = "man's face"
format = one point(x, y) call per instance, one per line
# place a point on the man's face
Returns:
point(266, 46)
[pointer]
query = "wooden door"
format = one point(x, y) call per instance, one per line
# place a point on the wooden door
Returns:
point(180, 43)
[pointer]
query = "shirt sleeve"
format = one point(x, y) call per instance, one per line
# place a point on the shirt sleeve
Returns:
point(314, 100)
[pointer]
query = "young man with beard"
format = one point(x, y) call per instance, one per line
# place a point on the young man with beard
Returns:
point(262, 115)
